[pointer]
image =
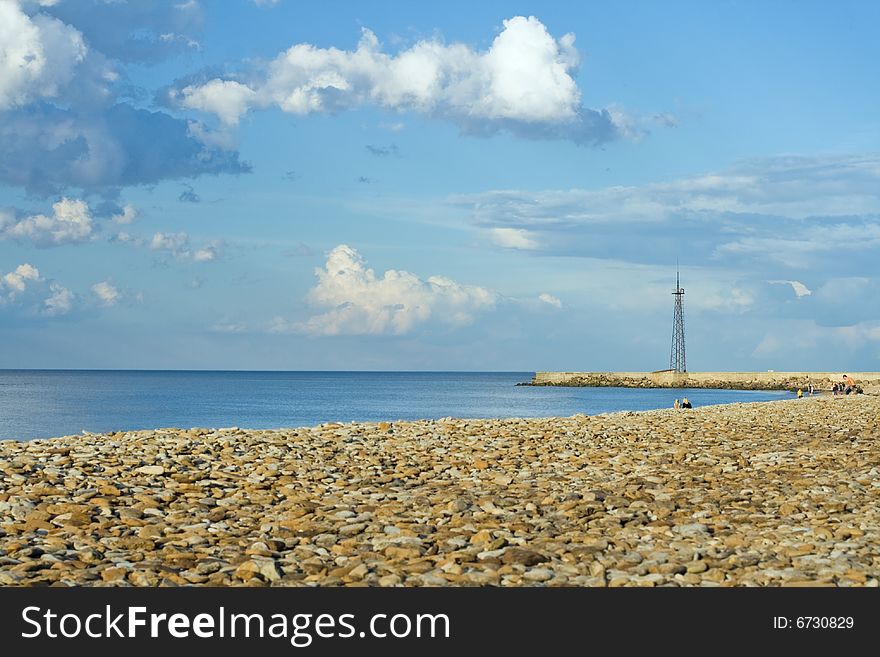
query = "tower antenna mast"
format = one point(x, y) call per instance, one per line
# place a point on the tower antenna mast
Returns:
point(677, 360)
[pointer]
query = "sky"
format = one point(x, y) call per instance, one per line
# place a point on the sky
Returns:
point(282, 185)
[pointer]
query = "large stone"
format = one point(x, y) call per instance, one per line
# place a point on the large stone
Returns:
point(150, 470)
point(515, 555)
point(267, 569)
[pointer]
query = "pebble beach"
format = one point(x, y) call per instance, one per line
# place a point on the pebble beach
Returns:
point(783, 493)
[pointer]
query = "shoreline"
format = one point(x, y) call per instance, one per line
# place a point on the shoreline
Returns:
point(84, 433)
point(742, 494)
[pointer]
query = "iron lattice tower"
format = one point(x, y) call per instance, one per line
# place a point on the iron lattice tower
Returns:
point(676, 359)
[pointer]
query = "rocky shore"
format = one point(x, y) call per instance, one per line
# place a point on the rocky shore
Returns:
point(603, 380)
point(868, 382)
point(762, 494)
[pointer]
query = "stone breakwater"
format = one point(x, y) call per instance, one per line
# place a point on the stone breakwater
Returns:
point(869, 381)
point(765, 494)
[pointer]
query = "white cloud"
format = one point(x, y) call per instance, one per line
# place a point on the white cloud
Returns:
point(791, 187)
point(39, 55)
point(26, 279)
point(228, 99)
point(793, 211)
point(123, 237)
point(178, 245)
point(69, 119)
point(362, 303)
point(70, 223)
point(800, 290)
point(205, 254)
point(523, 83)
point(59, 302)
point(550, 300)
point(173, 242)
point(816, 237)
point(129, 214)
point(107, 294)
point(16, 281)
point(513, 238)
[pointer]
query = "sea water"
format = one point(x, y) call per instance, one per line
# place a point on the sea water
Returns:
point(46, 403)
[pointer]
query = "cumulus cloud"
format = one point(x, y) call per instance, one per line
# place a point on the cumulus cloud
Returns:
point(62, 123)
point(16, 281)
point(513, 238)
point(24, 286)
point(70, 223)
point(173, 242)
point(206, 254)
point(524, 84)
point(129, 214)
point(550, 300)
point(107, 294)
point(228, 99)
point(178, 245)
point(362, 303)
point(122, 237)
point(39, 58)
point(800, 290)
point(59, 302)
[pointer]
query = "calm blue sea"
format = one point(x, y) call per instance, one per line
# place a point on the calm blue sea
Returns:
point(45, 403)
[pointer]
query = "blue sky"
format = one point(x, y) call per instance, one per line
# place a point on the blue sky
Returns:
point(473, 186)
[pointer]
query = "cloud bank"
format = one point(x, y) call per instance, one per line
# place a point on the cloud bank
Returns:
point(523, 84)
point(794, 211)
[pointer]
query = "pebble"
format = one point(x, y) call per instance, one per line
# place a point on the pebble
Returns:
point(761, 494)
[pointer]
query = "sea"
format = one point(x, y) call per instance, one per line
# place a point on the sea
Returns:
point(47, 403)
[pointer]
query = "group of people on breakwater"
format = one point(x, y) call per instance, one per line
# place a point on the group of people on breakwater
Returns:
point(683, 404)
point(845, 387)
